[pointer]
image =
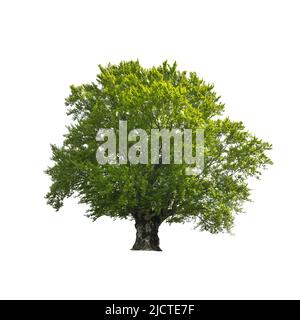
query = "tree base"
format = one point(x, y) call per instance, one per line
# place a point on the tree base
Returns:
point(145, 248)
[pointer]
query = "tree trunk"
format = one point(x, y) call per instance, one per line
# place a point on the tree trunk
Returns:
point(147, 234)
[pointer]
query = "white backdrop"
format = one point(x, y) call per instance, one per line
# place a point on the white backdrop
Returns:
point(249, 49)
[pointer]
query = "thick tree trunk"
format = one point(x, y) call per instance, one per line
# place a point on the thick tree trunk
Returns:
point(147, 234)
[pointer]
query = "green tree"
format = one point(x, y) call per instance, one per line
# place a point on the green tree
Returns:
point(157, 97)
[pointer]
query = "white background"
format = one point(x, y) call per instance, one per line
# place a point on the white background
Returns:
point(249, 49)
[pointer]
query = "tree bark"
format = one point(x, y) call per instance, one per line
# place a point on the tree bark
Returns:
point(147, 234)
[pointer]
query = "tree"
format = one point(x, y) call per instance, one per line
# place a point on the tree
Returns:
point(157, 97)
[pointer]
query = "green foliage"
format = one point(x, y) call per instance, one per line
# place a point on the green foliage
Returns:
point(159, 97)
